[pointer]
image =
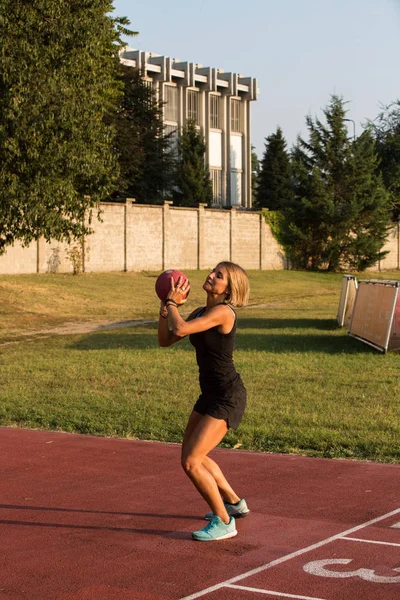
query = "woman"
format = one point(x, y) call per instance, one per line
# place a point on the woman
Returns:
point(222, 401)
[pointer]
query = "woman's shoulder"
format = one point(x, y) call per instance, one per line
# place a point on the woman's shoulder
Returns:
point(229, 307)
point(227, 316)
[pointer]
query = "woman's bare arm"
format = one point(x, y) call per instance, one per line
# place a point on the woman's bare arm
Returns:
point(166, 336)
point(220, 316)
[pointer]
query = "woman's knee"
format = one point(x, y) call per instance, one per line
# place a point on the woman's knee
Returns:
point(190, 464)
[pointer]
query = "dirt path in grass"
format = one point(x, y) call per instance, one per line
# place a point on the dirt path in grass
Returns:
point(75, 329)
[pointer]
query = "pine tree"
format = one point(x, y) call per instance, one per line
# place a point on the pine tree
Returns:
point(275, 187)
point(255, 172)
point(143, 148)
point(57, 83)
point(339, 216)
point(368, 208)
point(386, 130)
point(192, 175)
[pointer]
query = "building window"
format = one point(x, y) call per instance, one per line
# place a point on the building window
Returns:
point(236, 114)
point(148, 95)
point(214, 112)
point(171, 106)
point(193, 112)
point(171, 131)
point(236, 188)
point(216, 180)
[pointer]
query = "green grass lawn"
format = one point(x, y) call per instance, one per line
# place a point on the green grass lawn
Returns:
point(311, 388)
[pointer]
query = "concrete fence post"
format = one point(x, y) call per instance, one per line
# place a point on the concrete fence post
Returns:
point(127, 217)
point(232, 214)
point(38, 256)
point(125, 235)
point(83, 247)
point(165, 230)
point(200, 235)
point(398, 244)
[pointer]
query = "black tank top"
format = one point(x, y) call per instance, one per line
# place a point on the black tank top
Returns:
point(214, 355)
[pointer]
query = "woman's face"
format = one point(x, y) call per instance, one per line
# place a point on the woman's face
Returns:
point(217, 281)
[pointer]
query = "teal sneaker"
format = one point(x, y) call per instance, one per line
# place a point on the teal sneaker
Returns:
point(238, 510)
point(216, 529)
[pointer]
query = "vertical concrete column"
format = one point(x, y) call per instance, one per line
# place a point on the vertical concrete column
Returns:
point(128, 242)
point(398, 244)
point(205, 102)
point(40, 251)
point(86, 220)
point(228, 201)
point(182, 107)
point(245, 154)
point(165, 231)
point(200, 236)
point(83, 246)
point(157, 89)
point(224, 150)
point(248, 163)
point(125, 234)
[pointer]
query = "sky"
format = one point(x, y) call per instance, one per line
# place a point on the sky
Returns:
point(300, 51)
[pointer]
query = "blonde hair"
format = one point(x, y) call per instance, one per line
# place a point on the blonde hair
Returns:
point(238, 283)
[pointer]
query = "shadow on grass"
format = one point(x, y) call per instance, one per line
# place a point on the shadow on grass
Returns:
point(257, 323)
point(283, 342)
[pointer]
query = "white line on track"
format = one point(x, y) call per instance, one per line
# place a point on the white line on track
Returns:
point(271, 593)
point(283, 559)
point(370, 541)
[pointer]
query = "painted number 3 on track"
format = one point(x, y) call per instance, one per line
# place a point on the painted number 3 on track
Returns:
point(320, 568)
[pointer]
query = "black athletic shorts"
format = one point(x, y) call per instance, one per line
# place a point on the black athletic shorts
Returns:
point(229, 408)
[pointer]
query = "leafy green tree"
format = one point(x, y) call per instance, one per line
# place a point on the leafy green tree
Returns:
point(275, 186)
point(386, 130)
point(143, 148)
point(57, 83)
point(192, 174)
point(339, 216)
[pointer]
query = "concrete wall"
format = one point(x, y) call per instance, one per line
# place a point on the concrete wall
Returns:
point(215, 236)
point(392, 260)
point(105, 248)
point(144, 237)
point(18, 260)
point(133, 237)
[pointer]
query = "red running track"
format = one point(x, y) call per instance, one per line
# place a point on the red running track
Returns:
point(85, 518)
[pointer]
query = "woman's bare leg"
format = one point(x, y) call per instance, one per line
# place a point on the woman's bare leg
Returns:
point(202, 435)
point(226, 491)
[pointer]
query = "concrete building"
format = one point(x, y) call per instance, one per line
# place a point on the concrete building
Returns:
point(220, 105)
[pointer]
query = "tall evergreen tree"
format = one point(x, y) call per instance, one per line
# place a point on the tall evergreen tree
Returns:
point(255, 172)
point(143, 148)
point(275, 187)
point(386, 130)
point(340, 214)
point(192, 175)
point(57, 83)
